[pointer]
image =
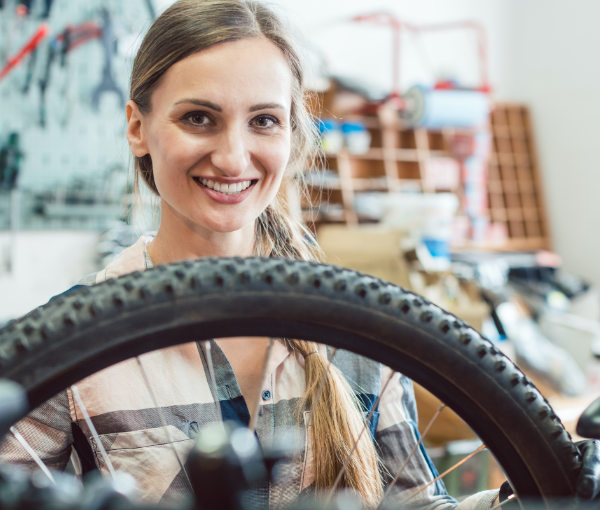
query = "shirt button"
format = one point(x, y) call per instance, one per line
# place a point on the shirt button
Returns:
point(266, 395)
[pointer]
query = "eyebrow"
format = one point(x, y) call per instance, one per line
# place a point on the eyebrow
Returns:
point(266, 106)
point(200, 102)
point(217, 108)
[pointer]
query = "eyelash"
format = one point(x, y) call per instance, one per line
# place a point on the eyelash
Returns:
point(187, 118)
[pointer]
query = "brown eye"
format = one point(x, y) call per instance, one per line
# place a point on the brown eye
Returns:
point(197, 119)
point(265, 121)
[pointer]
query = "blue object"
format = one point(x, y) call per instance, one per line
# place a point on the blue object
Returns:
point(266, 395)
point(353, 127)
point(438, 247)
point(328, 125)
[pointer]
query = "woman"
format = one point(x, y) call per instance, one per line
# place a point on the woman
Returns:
point(217, 124)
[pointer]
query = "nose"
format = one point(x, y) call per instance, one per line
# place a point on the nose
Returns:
point(230, 154)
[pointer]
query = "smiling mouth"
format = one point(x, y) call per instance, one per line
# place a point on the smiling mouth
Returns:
point(226, 189)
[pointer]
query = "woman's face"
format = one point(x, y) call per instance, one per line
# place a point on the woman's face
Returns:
point(218, 133)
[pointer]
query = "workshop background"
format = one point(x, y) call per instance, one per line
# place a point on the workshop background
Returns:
point(460, 161)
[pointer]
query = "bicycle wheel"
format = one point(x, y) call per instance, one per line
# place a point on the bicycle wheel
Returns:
point(93, 328)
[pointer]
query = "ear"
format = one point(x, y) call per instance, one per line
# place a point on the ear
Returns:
point(136, 135)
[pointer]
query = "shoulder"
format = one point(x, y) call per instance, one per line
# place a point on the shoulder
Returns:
point(134, 258)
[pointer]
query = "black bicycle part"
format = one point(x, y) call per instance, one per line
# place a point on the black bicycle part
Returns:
point(94, 327)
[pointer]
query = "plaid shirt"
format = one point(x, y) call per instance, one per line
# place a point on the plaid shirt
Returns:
point(121, 408)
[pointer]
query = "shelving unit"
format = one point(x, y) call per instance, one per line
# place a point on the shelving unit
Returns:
point(514, 184)
point(396, 161)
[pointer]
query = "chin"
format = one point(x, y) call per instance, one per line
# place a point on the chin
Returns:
point(223, 225)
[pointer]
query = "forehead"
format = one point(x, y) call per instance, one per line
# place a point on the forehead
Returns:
point(231, 74)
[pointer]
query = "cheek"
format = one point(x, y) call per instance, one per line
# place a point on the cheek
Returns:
point(175, 153)
point(274, 156)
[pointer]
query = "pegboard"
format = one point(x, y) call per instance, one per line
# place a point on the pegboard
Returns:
point(77, 140)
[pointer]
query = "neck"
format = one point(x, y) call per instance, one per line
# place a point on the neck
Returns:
point(178, 239)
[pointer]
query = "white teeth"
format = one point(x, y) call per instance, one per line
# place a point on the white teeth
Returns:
point(226, 189)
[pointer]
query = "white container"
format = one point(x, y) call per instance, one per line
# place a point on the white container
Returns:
point(358, 142)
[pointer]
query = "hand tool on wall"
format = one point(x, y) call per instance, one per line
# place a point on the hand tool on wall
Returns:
point(43, 83)
point(10, 162)
point(47, 9)
point(67, 41)
point(108, 82)
point(30, 68)
point(32, 44)
point(151, 9)
point(26, 4)
point(73, 37)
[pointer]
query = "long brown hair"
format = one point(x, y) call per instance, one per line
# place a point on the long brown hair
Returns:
point(190, 26)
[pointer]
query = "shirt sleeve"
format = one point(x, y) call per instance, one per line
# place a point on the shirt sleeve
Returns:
point(396, 436)
point(47, 430)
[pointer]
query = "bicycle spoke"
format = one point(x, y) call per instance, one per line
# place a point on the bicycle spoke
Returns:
point(412, 452)
point(254, 415)
point(507, 500)
point(349, 456)
point(321, 387)
point(93, 430)
point(213, 380)
point(162, 420)
point(31, 452)
point(439, 477)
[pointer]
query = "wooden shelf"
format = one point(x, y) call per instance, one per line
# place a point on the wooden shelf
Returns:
point(398, 160)
point(379, 154)
point(514, 187)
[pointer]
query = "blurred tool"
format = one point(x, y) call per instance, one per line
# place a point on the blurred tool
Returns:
point(151, 10)
point(70, 39)
point(32, 44)
point(73, 37)
point(108, 82)
point(43, 83)
point(10, 162)
point(30, 67)
point(47, 9)
point(25, 5)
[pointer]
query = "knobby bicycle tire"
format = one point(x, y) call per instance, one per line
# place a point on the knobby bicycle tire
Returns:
point(92, 328)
